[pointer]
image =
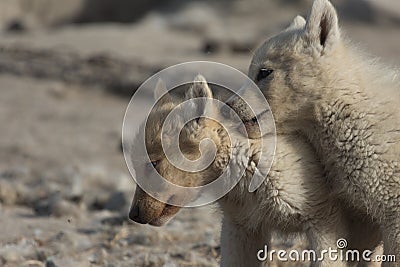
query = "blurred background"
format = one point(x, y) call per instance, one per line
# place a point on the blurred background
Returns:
point(67, 72)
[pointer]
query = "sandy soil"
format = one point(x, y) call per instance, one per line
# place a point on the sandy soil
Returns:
point(64, 187)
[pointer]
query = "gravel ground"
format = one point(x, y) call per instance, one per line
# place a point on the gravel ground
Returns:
point(64, 188)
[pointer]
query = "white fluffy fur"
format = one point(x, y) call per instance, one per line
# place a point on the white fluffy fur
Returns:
point(346, 105)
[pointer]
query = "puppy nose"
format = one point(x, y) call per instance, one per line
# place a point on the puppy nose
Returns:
point(134, 213)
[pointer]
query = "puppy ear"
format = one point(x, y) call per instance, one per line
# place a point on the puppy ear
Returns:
point(322, 29)
point(199, 91)
point(298, 23)
point(198, 97)
point(160, 89)
point(199, 88)
point(161, 94)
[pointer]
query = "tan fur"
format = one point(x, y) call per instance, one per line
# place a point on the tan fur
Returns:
point(293, 199)
point(346, 106)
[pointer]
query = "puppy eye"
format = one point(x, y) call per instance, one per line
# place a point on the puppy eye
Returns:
point(263, 73)
point(152, 164)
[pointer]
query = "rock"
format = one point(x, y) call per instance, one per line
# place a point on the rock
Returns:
point(8, 192)
point(42, 206)
point(211, 46)
point(24, 249)
point(65, 241)
point(50, 263)
point(38, 13)
point(10, 255)
point(116, 202)
point(63, 208)
point(76, 191)
point(196, 17)
point(54, 205)
point(16, 26)
point(115, 220)
point(141, 239)
point(96, 202)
